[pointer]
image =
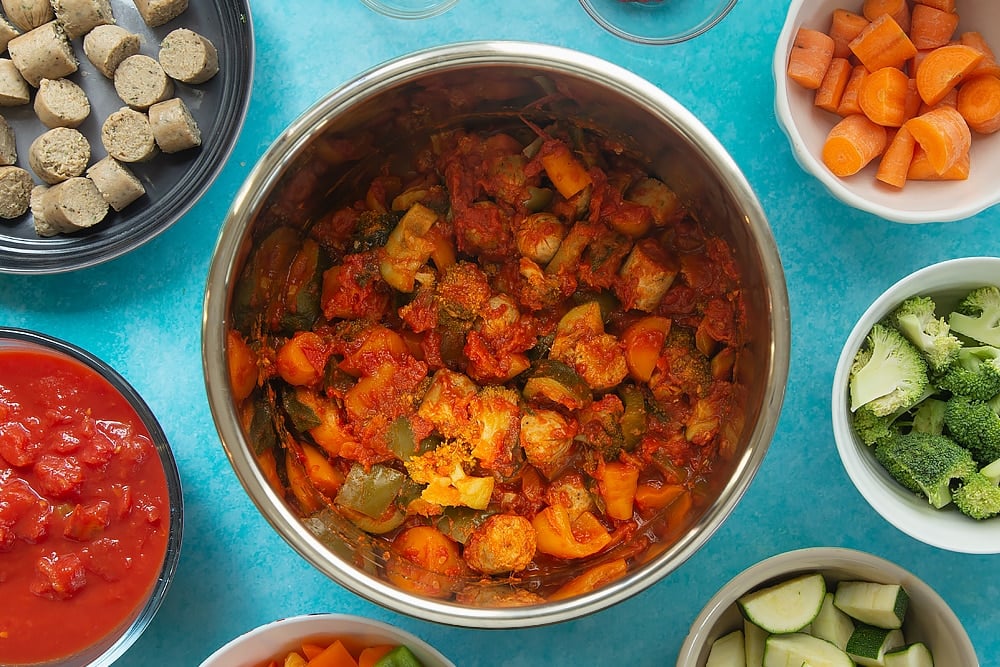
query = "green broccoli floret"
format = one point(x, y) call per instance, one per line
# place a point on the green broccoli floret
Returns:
point(872, 428)
point(975, 425)
point(978, 316)
point(888, 373)
point(978, 497)
point(976, 373)
point(929, 416)
point(926, 464)
point(931, 335)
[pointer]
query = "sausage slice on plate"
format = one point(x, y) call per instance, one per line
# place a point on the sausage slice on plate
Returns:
point(15, 191)
point(43, 53)
point(141, 82)
point(59, 154)
point(116, 182)
point(127, 136)
point(188, 57)
point(106, 46)
point(174, 128)
point(61, 103)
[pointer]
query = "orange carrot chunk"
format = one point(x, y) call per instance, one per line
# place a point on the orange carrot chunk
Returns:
point(943, 134)
point(931, 28)
point(949, 100)
point(849, 100)
point(810, 57)
point(988, 65)
point(310, 650)
point(844, 26)
point(567, 174)
point(831, 90)
point(978, 101)
point(943, 5)
point(899, 10)
point(943, 69)
point(896, 159)
point(853, 143)
point(883, 96)
point(921, 169)
point(882, 44)
point(913, 101)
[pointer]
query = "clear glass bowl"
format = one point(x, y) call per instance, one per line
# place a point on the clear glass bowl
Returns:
point(410, 9)
point(657, 21)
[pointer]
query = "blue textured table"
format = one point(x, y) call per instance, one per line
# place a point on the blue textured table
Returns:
point(142, 314)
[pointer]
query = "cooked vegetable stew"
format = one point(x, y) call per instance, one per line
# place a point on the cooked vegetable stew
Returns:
point(510, 362)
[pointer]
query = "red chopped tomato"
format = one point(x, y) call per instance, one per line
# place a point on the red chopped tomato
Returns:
point(17, 447)
point(59, 577)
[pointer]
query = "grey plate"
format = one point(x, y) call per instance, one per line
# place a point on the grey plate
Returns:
point(173, 182)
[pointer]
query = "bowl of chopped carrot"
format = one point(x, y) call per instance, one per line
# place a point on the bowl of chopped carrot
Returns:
point(894, 105)
point(327, 640)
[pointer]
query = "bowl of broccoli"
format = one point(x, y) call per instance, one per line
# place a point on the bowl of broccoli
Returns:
point(916, 405)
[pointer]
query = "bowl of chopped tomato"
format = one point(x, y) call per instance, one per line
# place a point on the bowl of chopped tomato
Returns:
point(90, 506)
point(894, 106)
point(496, 335)
point(327, 639)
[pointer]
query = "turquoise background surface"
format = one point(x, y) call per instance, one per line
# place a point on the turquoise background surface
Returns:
point(142, 314)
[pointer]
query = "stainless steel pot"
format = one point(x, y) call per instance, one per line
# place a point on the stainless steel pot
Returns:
point(468, 83)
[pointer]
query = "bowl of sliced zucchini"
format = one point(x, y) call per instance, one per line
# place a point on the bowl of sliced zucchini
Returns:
point(829, 607)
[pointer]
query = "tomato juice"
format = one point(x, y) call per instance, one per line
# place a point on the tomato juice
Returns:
point(85, 514)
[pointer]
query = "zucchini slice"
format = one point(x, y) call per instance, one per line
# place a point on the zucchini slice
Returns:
point(727, 651)
point(868, 644)
point(832, 624)
point(556, 382)
point(754, 637)
point(913, 655)
point(881, 605)
point(796, 648)
point(785, 607)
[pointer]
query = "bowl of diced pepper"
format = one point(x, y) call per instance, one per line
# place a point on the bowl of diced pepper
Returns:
point(894, 106)
point(327, 639)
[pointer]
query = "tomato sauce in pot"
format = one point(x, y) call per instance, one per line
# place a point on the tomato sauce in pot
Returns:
point(84, 508)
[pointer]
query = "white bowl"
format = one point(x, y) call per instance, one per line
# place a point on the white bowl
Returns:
point(928, 619)
point(269, 641)
point(946, 282)
point(807, 127)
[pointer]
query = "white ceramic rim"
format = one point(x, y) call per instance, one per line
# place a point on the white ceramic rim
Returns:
point(865, 565)
point(906, 511)
point(297, 628)
point(783, 113)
